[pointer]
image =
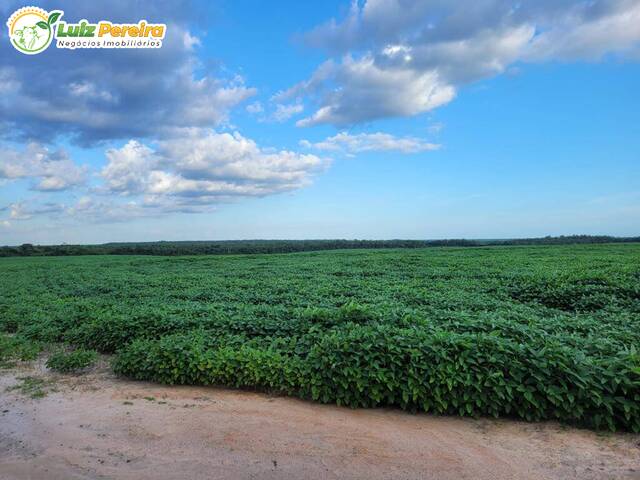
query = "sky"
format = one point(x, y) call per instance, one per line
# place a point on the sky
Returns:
point(374, 119)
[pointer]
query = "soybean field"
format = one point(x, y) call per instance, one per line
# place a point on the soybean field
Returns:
point(529, 332)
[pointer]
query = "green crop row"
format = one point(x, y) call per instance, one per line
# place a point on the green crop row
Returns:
point(441, 372)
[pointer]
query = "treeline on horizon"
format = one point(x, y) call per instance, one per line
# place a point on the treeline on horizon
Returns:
point(225, 247)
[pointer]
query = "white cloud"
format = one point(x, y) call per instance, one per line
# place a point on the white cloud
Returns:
point(192, 170)
point(285, 112)
point(368, 91)
point(398, 58)
point(204, 154)
point(196, 168)
point(574, 36)
point(208, 100)
point(51, 171)
point(280, 113)
point(367, 142)
point(255, 108)
point(189, 41)
point(17, 211)
point(109, 209)
point(128, 168)
point(89, 90)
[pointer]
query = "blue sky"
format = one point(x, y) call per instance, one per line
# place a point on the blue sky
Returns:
point(378, 119)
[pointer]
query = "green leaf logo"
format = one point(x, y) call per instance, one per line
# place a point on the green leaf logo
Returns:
point(53, 17)
point(43, 25)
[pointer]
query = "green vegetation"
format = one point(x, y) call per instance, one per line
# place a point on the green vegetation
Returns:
point(13, 349)
point(284, 246)
point(73, 361)
point(538, 332)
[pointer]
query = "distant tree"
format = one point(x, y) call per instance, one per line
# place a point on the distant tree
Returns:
point(27, 249)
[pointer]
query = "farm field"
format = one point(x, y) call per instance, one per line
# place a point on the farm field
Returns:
point(536, 333)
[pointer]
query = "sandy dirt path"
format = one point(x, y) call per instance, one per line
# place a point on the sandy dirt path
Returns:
point(97, 426)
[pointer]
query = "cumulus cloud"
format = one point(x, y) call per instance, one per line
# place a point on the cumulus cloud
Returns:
point(128, 167)
point(97, 95)
point(196, 168)
point(368, 91)
point(50, 170)
point(396, 58)
point(368, 142)
point(193, 170)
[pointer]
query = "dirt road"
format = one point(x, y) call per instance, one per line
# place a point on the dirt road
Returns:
point(97, 426)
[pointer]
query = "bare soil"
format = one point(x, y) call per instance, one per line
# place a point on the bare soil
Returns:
point(98, 426)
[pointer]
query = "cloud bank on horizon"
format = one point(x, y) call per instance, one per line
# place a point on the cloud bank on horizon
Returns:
point(164, 119)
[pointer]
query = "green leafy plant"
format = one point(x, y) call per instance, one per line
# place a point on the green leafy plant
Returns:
point(76, 360)
point(14, 348)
